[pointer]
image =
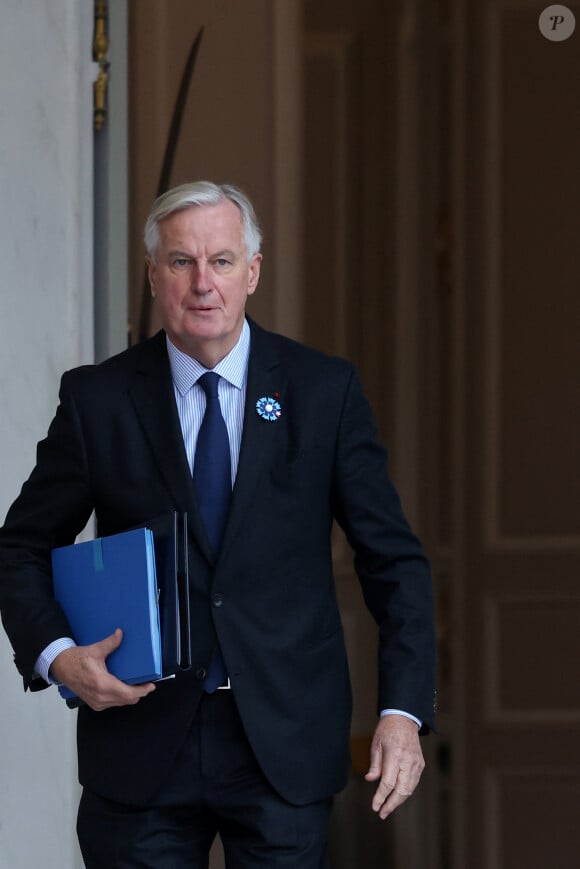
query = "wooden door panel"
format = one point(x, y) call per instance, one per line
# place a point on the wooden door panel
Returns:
point(532, 819)
point(518, 760)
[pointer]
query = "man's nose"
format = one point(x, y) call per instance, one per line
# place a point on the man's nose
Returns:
point(200, 278)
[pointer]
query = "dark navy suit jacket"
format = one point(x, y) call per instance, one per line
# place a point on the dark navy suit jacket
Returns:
point(115, 447)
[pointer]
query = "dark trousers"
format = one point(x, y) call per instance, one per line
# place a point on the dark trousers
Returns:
point(216, 787)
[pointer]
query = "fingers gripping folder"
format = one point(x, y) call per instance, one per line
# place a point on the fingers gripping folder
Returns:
point(137, 581)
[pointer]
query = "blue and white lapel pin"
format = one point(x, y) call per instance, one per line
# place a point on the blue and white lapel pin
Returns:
point(269, 407)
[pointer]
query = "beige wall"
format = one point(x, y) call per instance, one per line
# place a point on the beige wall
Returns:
point(46, 326)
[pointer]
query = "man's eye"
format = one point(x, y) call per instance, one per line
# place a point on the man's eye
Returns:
point(221, 262)
point(181, 262)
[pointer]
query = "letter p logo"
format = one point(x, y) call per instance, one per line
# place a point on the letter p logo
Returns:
point(557, 23)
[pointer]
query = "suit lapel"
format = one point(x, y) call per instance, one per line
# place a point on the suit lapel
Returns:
point(154, 402)
point(260, 437)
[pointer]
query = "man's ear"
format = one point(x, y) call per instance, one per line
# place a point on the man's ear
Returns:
point(254, 269)
point(151, 273)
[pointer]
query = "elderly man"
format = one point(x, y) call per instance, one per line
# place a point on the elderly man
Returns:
point(263, 443)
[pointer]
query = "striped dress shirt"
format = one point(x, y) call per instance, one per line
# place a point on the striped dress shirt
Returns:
point(190, 397)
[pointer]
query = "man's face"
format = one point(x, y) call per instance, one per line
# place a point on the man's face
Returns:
point(202, 278)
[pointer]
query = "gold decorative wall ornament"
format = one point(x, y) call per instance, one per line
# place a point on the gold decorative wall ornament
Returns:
point(100, 49)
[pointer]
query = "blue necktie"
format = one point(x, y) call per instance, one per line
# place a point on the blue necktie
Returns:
point(212, 481)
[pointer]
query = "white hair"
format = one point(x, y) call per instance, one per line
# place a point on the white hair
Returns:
point(195, 194)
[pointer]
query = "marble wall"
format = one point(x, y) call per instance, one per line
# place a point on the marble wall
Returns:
point(46, 326)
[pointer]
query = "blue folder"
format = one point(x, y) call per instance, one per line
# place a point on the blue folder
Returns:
point(111, 583)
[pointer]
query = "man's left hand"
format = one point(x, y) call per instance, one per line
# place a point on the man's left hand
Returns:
point(397, 760)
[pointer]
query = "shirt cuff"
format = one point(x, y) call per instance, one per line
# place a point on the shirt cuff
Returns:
point(46, 658)
point(417, 721)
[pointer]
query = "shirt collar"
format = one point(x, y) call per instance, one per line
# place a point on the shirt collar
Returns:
point(185, 370)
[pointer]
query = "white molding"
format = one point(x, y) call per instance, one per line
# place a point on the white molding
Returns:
point(111, 198)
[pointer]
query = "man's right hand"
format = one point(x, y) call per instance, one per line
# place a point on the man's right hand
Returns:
point(83, 669)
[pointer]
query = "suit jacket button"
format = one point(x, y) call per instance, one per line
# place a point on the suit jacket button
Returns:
point(200, 673)
point(218, 599)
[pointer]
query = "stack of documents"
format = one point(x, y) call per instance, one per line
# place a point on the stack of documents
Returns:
point(136, 581)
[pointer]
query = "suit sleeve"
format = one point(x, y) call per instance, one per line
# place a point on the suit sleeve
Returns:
point(390, 564)
point(52, 508)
